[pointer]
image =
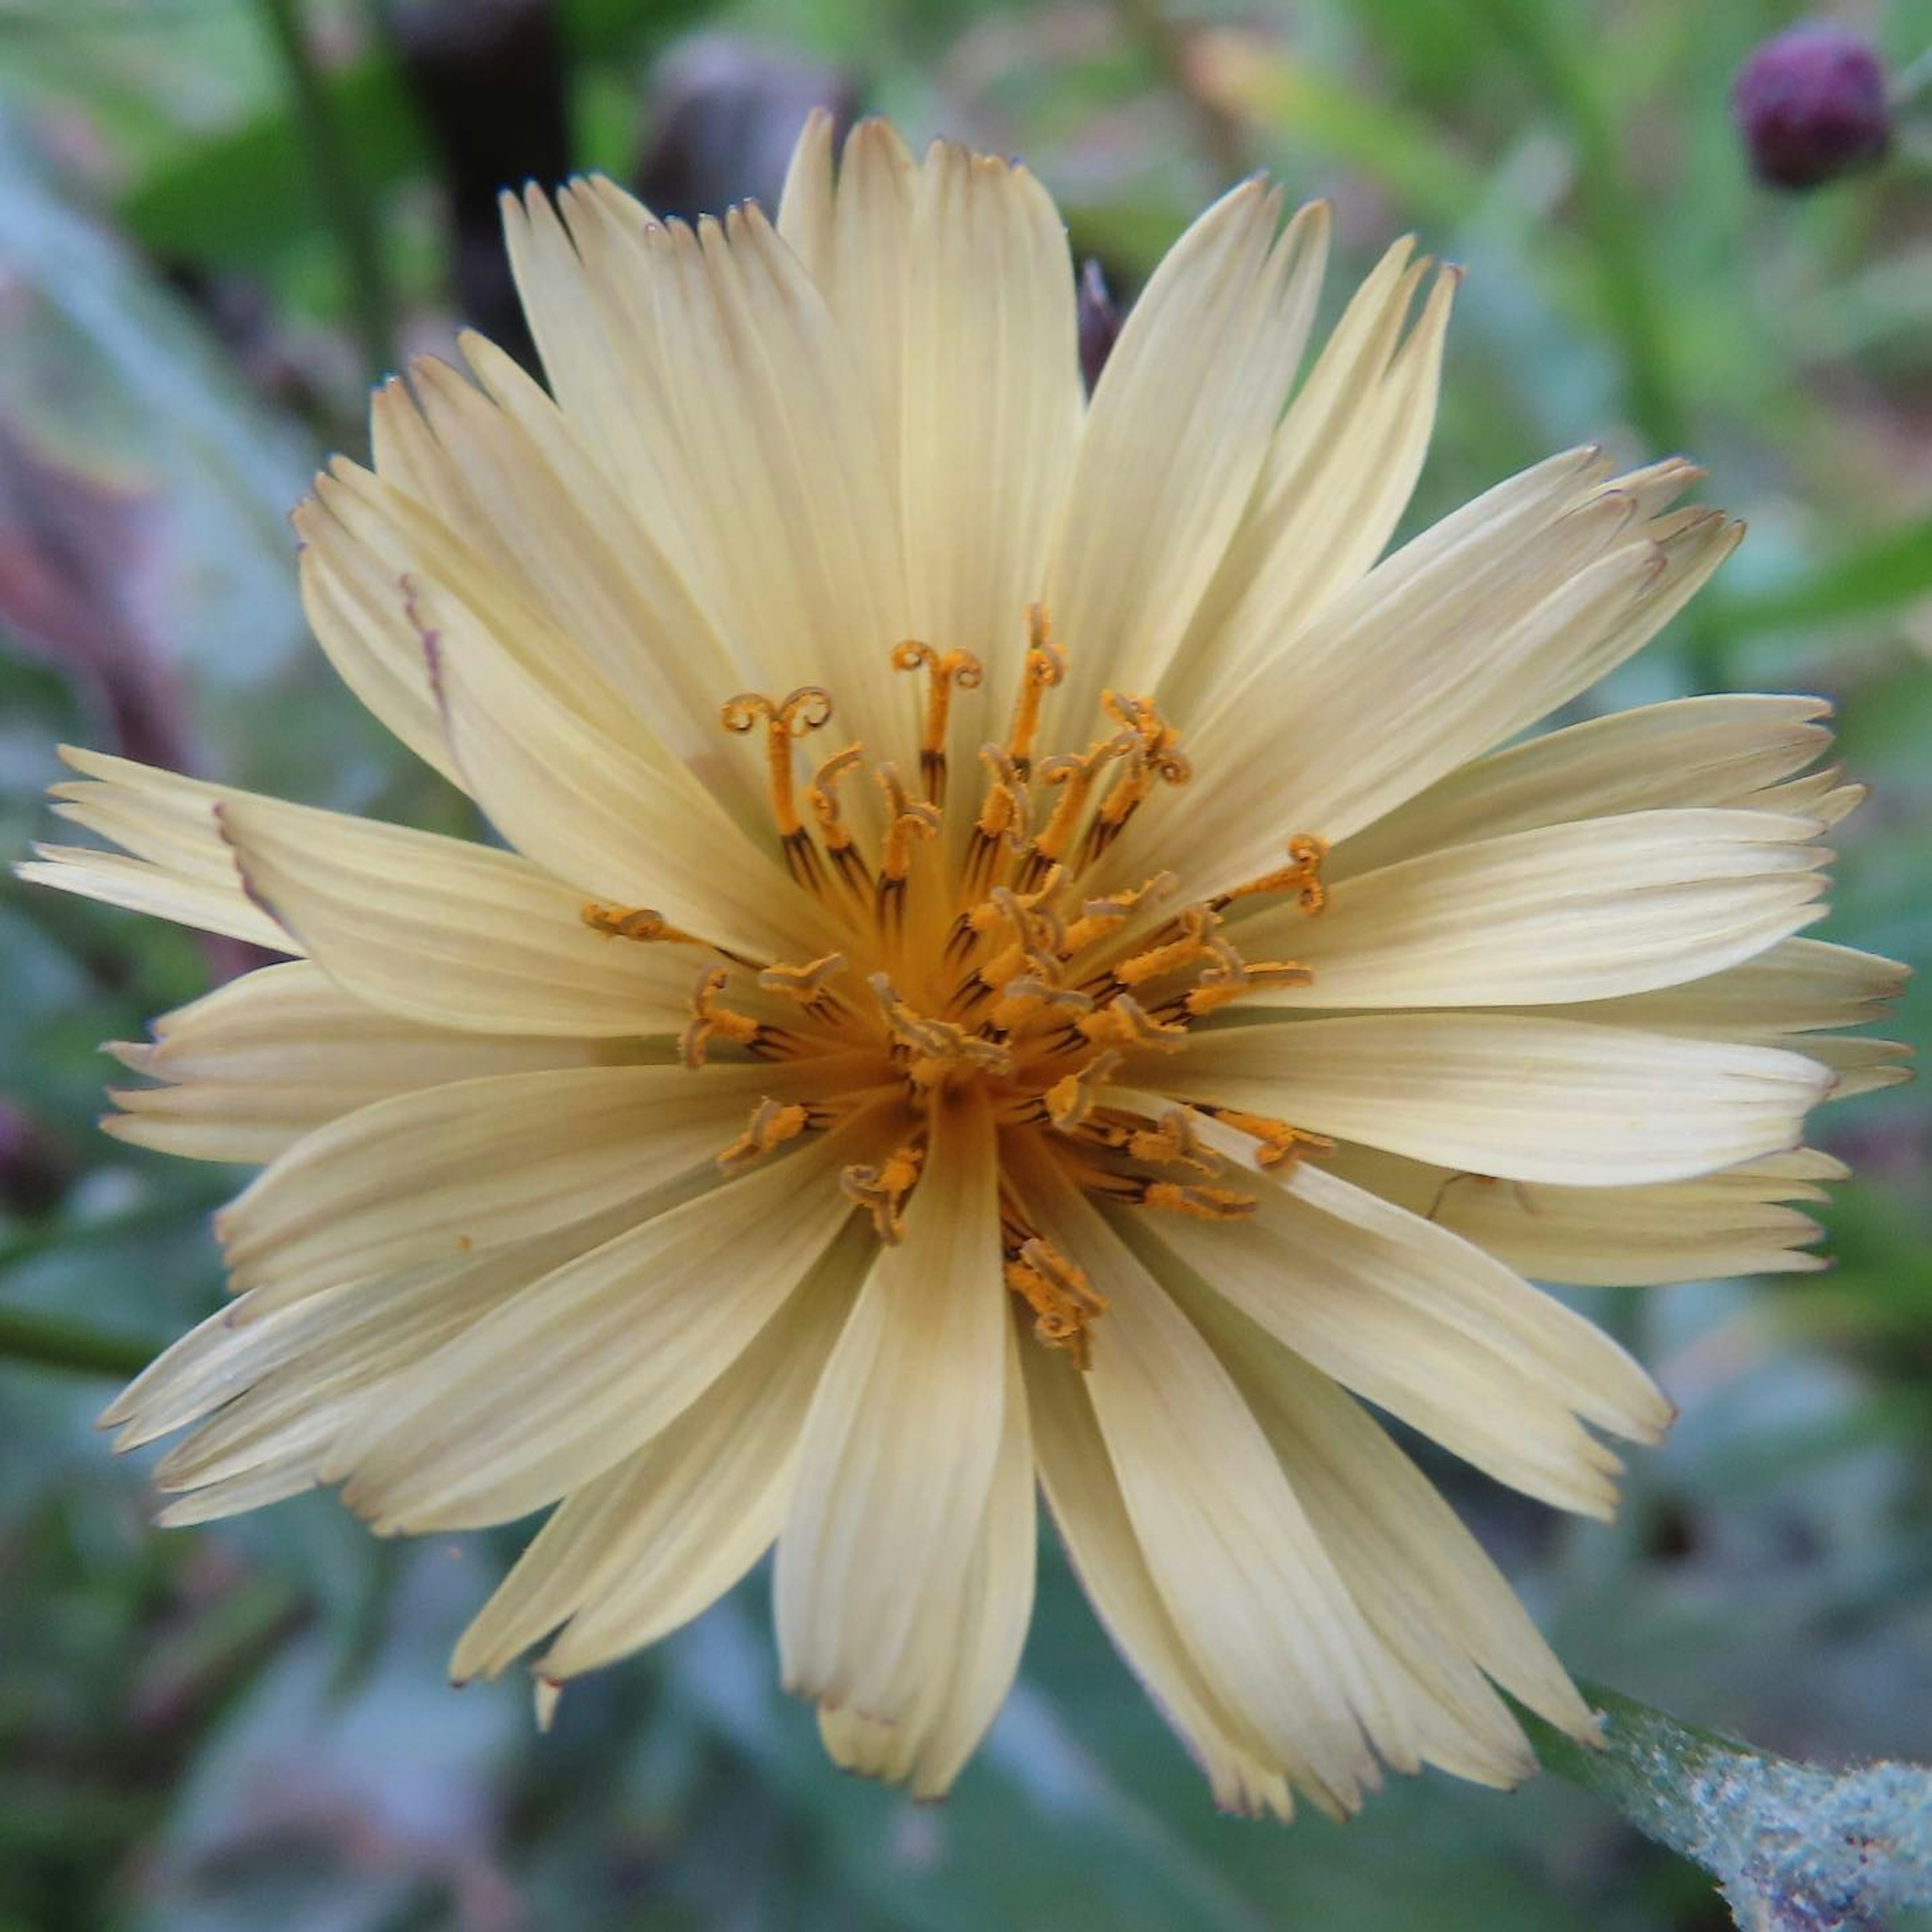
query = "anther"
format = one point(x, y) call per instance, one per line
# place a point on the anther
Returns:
point(1045, 666)
point(1232, 976)
point(772, 1125)
point(1028, 994)
point(1196, 943)
point(1100, 916)
point(1057, 1290)
point(1173, 1143)
point(908, 820)
point(1159, 743)
point(618, 922)
point(1302, 876)
point(1004, 816)
point(822, 797)
point(1124, 1022)
point(882, 1190)
point(1070, 1100)
point(1278, 1142)
point(1074, 774)
point(1202, 1203)
point(808, 985)
point(787, 718)
point(709, 1021)
point(955, 667)
point(933, 1046)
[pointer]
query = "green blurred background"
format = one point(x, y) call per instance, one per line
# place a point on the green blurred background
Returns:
point(208, 249)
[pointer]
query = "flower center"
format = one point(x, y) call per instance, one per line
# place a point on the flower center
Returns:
point(972, 950)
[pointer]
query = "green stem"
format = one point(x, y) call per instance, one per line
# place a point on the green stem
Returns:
point(1626, 275)
point(1165, 46)
point(1790, 1845)
point(346, 206)
point(56, 1344)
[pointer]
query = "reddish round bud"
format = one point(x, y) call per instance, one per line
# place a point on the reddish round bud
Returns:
point(1811, 107)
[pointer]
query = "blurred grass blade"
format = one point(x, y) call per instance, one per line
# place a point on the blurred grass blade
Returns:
point(335, 168)
point(239, 199)
point(1893, 569)
point(55, 1344)
point(1793, 1847)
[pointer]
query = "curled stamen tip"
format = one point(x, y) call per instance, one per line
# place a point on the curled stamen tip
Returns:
point(807, 708)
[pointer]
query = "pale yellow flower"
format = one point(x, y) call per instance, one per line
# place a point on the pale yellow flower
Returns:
point(1018, 954)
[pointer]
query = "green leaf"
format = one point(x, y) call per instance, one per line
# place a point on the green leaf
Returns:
point(242, 197)
point(1794, 1848)
point(1891, 570)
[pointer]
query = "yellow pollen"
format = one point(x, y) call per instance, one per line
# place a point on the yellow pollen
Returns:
point(709, 1022)
point(772, 1126)
point(1173, 1143)
point(1074, 776)
point(908, 819)
point(1070, 1100)
point(882, 1189)
point(1202, 1203)
point(1302, 876)
point(1197, 924)
point(1045, 666)
point(1279, 1141)
point(1157, 742)
point(1232, 976)
point(984, 960)
point(618, 922)
point(1027, 994)
point(1099, 917)
point(1058, 1292)
point(806, 984)
point(807, 708)
point(1124, 1022)
point(955, 667)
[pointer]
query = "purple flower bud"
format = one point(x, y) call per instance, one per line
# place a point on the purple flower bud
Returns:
point(1099, 322)
point(35, 1168)
point(1811, 107)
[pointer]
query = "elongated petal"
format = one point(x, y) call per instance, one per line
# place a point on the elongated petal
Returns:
point(1429, 1327)
point(639, 1550)
point(453, 1168)
point(449, 933)
point(1338, 472)
point(595, 1359)
point(1719, 751)
point(1422, 1579)
point(1585, 911)
point(783, 456)
point(901, 1442)
point(972, 1648)
point(138, 886)
point(1099, 1536)
point(991, 414)
point(1527, 1099)
point(177, 867)
point(1737, 1223)
point(251, 1067)
point(1256, 1598)
point(357, 605)
point(1176, 435)
point(1428, 663)
point(1796, 988)
point(641, 830)
point(274, 1373)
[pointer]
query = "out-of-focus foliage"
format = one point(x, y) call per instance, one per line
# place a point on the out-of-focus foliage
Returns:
point(247, 1727)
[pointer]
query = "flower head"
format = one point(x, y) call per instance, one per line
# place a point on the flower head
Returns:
point(1811, 104)
point(1021, 951)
